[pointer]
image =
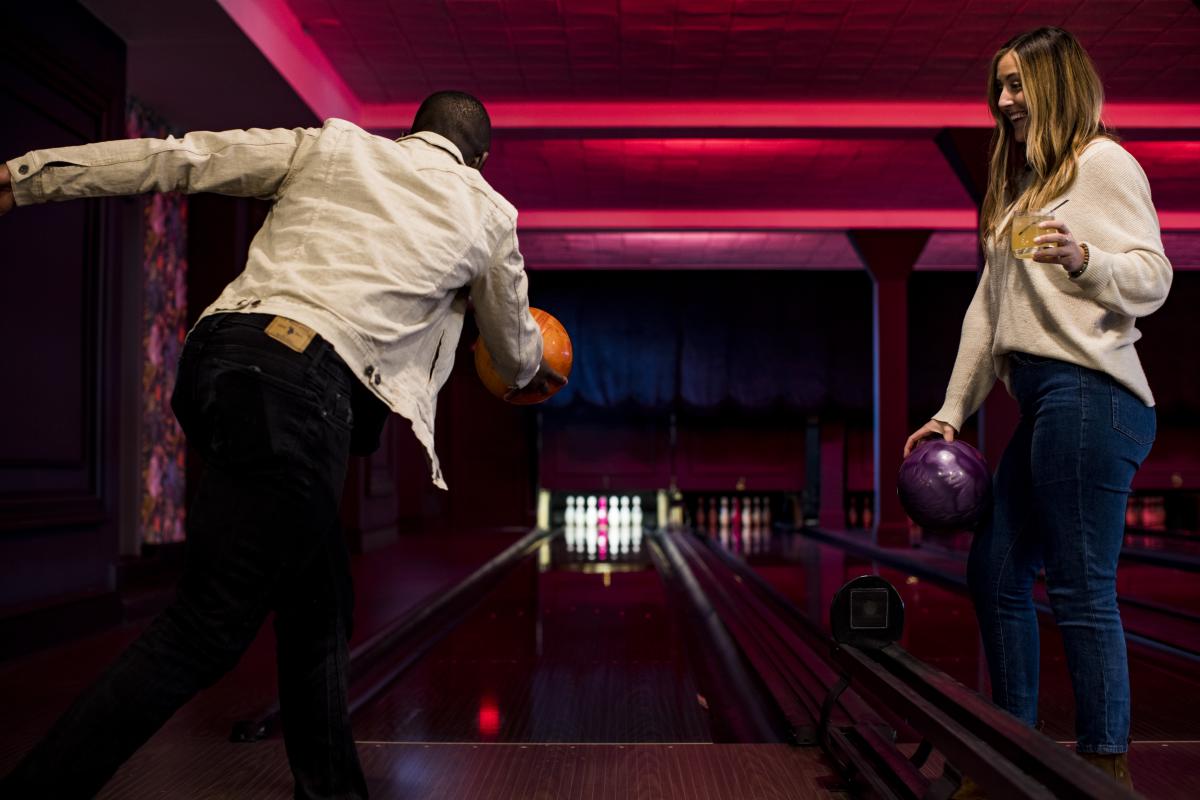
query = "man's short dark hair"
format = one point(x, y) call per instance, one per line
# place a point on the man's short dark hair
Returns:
point(459, 117)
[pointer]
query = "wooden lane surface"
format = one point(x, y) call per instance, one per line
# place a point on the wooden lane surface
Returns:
point(554, 656)
point(36, 689)
point(1162, 770)
point(419, 770)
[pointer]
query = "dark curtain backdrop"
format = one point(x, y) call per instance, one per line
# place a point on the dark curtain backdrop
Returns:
point(790, 341)
point(750, 341)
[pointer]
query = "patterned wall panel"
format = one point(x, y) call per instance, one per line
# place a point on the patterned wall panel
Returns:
point(164, 326)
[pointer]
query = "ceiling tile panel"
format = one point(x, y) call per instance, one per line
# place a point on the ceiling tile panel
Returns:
point(926, 50)
point(688, 250)
point(581, 49)
point(723, 174)
point(750, 250)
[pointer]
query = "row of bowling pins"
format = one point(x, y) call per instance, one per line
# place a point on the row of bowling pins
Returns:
point(594, 510)
point(747, 512)
point(603, 540)
point(750, 540)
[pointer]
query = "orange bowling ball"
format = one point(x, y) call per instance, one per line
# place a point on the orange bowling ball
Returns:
point(556, 350)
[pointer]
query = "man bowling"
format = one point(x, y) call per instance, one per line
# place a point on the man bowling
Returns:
point(350, 306)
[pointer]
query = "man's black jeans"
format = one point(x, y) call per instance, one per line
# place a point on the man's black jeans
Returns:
point(274, 428)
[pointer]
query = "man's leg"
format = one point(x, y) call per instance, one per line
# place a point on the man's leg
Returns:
point(313, 622)
point(314, 600)
point(260, 513)
point(232, 568)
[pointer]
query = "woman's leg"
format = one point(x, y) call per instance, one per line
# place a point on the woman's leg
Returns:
point(1003, 564)
point(1089, 441)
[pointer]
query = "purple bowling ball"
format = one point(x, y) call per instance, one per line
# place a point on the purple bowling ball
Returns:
point(945, 485)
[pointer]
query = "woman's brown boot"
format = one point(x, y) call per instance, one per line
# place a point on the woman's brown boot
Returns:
point(1115, 765)
point(968, 790)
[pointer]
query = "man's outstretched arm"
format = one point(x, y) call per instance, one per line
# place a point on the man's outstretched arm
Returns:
point(250, 163)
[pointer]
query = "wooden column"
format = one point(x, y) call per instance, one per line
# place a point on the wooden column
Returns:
point(889, 255)
point(832, 513)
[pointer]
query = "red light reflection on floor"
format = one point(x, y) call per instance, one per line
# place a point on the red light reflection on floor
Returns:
point(489, 718)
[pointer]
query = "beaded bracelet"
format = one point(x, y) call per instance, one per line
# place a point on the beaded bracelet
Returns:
point(1087, 256)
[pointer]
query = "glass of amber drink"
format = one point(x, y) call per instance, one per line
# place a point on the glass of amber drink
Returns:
point(1024, 230)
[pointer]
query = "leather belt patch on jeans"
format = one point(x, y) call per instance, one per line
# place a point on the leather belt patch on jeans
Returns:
point(291, 333)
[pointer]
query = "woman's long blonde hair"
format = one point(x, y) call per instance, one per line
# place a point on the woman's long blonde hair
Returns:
point(1063, 95)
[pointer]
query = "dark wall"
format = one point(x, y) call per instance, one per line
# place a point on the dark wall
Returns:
point(1168, 353)
point(62, 82)
point(937, 302)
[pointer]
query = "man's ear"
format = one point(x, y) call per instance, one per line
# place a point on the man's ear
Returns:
point(480, 160)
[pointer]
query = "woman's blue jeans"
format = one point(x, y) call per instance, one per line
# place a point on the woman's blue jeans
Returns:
point(1060, 496)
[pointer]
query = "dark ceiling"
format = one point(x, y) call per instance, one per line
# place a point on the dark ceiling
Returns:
point(398, 50)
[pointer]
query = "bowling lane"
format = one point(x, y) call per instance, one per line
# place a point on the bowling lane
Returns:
point(1168, 543)
point(1157, 568)
point(571, 647)
point(940, 629)
point(1159, 573)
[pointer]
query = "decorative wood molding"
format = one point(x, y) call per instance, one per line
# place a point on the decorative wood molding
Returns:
point(73, 84)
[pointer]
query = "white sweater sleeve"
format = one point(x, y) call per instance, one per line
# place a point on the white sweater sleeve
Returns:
point(974, 372)
point(1128, 272)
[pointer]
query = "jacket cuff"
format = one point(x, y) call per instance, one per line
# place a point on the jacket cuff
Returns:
point(530, 368)
point(26, 181)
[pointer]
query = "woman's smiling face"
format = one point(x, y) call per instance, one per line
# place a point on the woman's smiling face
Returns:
point(1012, 96)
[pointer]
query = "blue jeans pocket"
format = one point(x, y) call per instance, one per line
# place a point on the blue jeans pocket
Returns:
point(1132, 417)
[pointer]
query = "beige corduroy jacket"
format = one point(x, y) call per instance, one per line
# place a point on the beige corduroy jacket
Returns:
point(372, 242)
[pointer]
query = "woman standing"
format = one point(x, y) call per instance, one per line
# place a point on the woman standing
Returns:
point(1059, 330)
